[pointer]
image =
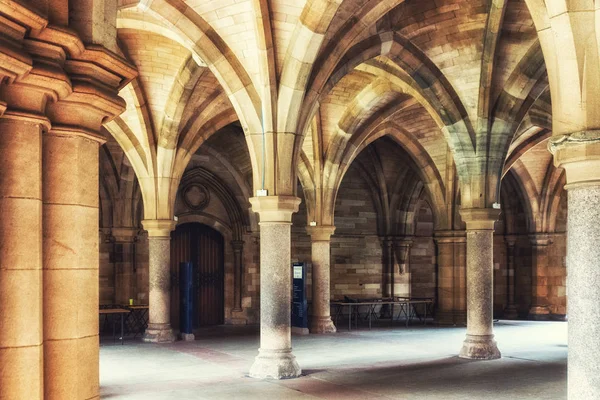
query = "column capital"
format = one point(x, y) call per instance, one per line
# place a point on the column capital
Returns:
point(510, 240)
point(320, 233)
point(403, 241)
point(540, 239)
point(480, 218)
point(449, 236)
point(275, 209)
point(159, 227)
point(579, 154)
point(237, 245)
point(96, 76)
point(124, 235)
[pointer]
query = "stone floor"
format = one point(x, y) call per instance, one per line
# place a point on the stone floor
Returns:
point(384, 363)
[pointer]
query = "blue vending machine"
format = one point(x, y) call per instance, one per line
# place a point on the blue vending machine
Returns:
point(186, 293)
point(299, 302)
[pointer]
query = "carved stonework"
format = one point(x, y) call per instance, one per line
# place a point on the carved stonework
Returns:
point(195, 196)
point(583, 137)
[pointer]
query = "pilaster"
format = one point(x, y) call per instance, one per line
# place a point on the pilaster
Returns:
point(321, 278)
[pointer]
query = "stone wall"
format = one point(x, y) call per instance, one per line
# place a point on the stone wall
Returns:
point(123, 274)
point(423, 280)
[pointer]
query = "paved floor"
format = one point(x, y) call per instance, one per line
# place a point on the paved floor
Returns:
point(385, 363)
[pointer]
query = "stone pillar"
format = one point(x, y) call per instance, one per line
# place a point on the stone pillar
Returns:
point(159, 291)
point(321, 278)
point(579, 155)
point(21, 351)
point(275, 358)
point(510, 311)
point(387, 261)
point(539, 311)
point(70, 227)
point(452, 289)
point(238, 273)
point(123, 239)
point(479, 343)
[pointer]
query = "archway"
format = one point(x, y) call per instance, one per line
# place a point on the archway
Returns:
point(204, 247)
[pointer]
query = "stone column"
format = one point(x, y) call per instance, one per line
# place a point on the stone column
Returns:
point(387, 265)
point(510, 311)
point(275, 358)
point(21, 351)
point(70, 213)
point(479, 343)
point(159, 270)
point(579, 154)
point(539, 311)
point(451, 263)
point(70, 227)
point(321, 278)
point(238, 273)
point(123, 262)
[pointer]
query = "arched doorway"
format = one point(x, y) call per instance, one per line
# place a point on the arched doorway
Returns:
point(204, 247)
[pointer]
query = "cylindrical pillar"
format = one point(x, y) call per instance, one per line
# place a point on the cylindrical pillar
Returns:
point(321, 278)
point(159, 291)
point(275, 358)
point(479, 343)
point(540, 309)
point(579, 155)
point(510, 311)
point(583, 286)
point(70, 226)
point(238, 269)
point(21, 351)
point(451, 265)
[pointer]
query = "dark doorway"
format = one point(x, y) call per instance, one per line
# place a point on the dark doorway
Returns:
point(204, 247)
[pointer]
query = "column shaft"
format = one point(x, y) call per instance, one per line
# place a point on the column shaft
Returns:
point(539, 280)
point(70, 229)
point(510, 311)
point(159, 291)
point(21, 351)
point(321, 279)
point(583, 286)
point(238, 269)
point(480, 343)
point(387, 267)
point(275, 358)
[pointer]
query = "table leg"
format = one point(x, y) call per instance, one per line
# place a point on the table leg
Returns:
point(113, 326)
point(370, 312)
point(122, 326)
point(392, 320)
point(349, 317)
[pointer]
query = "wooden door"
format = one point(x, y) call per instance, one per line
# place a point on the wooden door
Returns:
point(204, 247)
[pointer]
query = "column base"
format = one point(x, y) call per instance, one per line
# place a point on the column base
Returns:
point(159, 333)
point(480, 348)
point(187, 337)
point(539, 313)
point(510, 312)
point(276, 364)
point(322, 325)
